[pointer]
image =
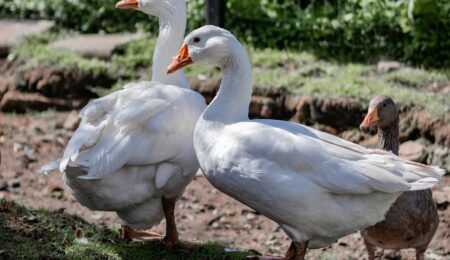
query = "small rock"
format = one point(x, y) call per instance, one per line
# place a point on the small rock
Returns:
point(72, 121)
point(30, 154)
point(14, 183)
point(343, 244)
point(32, 219)
point(226, 220)
point(210, 207)
point(250, 216)
point(3, 185)
point(17, 147)
point(215, 225)
point(388, 66)
point(57, 194)
point(97, 217)
point(412, 151)
point(80, 237)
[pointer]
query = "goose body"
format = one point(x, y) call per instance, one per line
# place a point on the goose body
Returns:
point(412, 220)
point(310, 186)
point(125, 162)
point(317, 187)
point(133, 152)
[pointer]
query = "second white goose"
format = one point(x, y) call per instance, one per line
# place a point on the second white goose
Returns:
point(316, 186)
point(133, 152)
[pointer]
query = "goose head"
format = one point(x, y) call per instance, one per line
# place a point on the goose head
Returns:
point(382, 113)
point(208, 45)
point(156, 8)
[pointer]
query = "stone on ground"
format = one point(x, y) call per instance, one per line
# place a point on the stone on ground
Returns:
point(13, 31)
point(388, 66)
point(72, 121)
point(95, 45)
point(412, 151)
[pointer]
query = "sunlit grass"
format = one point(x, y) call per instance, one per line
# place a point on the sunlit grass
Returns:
point(298, 72)
point(42, 234)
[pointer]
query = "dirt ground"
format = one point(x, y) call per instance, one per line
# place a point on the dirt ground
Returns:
point(29, 141)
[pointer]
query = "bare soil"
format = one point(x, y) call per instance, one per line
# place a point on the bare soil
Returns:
point(28, 141)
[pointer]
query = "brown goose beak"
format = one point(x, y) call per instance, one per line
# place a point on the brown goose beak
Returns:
point(182, 60)
point(128, 4)
point(371, 119)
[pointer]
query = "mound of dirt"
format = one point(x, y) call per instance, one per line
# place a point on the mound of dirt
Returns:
point(46, 87)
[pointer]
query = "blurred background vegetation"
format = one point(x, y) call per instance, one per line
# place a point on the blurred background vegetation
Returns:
point(412, 31)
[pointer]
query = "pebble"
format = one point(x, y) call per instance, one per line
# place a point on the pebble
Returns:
point(250, 216)
point(17, 147)
point(30, 154)
point(226, 220)
point(14, 183)
point(3, 185)
point(72, 121)
point(215, 225)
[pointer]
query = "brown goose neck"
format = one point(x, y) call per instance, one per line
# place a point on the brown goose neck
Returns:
point(389, 137)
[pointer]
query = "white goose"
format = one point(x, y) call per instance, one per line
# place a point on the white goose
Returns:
point(133, 152)
point(318, 187)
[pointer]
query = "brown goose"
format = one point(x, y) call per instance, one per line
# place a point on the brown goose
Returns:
point(412, 220)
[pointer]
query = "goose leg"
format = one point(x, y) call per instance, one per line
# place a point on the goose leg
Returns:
point(370, 250)
point(171, 239)
point(297, 250)
point(128, 234)
point(420, 253)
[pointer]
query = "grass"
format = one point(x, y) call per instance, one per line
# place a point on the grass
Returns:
point(299, 72)
point(35, 52)
point(303, 74)
point(37, 234)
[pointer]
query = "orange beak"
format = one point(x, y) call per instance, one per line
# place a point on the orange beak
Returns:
point(369, 120)
point(182, 60)
point(127, 4)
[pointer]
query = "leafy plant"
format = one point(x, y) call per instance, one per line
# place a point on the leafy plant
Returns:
point(414, 31)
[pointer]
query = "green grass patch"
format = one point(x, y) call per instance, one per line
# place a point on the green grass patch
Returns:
point(299, 72)
point(34, 52)
point(43, 234)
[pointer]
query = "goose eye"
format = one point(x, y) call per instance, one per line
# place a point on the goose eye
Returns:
point(196, 40)
point(384, 105)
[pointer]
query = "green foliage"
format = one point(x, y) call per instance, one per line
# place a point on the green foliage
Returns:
point(415, 31)
point(430, 33)
point(80, 15)
point(41, 234)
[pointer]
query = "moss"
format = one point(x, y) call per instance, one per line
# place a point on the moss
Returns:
point(37, 234)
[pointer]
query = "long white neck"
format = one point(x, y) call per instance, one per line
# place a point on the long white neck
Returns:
point(171, 33)
point(232, 102)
